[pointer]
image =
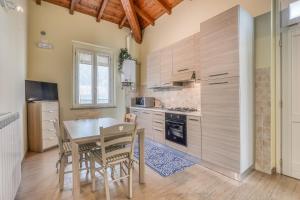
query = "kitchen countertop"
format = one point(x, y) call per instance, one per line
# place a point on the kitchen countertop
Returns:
point(196, 114)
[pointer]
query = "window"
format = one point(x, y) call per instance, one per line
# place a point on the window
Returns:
point(294, 10)
point(93, 80)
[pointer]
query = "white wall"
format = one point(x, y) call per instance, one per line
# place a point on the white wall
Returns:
point(13, 55)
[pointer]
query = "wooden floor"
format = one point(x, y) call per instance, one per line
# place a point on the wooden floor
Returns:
point(40, 181)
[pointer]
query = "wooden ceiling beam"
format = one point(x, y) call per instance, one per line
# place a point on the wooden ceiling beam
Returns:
point(101, 10)
point(38, 2)
point(121, 25)
point(144, 15)
point(132, 19)
point(72, 7)
point(165, 6)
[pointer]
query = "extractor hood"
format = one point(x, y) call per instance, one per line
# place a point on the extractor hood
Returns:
point(184, 77)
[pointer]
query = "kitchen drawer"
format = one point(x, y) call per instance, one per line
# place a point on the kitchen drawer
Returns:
point(158, 124)
point(159, 135)
point(48, 124)
point(50, 115)
point(193, 121)
point(160, 116)
point(48, 106)
point(221, 97)
point(49, 138)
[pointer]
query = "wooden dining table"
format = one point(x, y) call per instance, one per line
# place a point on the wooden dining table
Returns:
point(87, 131)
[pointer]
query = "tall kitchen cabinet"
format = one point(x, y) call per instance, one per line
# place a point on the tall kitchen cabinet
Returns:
point(226, 63)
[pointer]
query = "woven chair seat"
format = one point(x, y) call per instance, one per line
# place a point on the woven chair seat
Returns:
point(83, 148)
point(98, 155)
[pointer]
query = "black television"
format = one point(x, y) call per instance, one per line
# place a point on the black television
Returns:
point(40, 91)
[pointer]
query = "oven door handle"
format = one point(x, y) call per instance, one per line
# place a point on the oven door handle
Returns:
point(173, 122)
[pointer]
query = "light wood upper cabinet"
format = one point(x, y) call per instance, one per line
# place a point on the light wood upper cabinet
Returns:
point(197, 51)
point(153, 69)
point(220, 42)
point(183, 55)
point(166, 64)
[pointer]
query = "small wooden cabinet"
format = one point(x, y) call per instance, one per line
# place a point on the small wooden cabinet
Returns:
point(166, 64)
point(153, 70)
point(41, 131)
point(183, 55)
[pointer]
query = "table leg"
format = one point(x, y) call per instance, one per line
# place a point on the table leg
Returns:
point(141, 137)
point(76, 174)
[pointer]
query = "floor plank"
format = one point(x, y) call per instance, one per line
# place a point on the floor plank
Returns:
point(40, 181)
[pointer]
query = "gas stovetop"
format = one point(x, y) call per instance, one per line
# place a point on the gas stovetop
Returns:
point(182, 109)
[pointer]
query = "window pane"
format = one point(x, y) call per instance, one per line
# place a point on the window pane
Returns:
point(103, 77)
point(85, 79)
point(102, 60)
point(295, 10)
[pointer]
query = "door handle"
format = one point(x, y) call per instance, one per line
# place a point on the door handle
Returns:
point(218, 83)
point(182, 70)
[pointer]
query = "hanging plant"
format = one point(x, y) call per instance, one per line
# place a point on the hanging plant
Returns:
point(123, 55)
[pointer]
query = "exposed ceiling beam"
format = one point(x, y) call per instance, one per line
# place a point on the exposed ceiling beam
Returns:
point(144, 15)
point(122, 22)
point(132, 19)
point(39, 2)
point(165, 6)
point(72, 7)
point(101, 10)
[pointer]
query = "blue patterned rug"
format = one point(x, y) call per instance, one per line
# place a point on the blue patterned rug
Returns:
point(163, 159)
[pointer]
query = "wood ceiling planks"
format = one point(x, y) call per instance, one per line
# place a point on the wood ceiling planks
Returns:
point(139, 13)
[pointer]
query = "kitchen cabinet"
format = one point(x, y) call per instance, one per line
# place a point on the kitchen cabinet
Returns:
point(197, 54)
point(194, 136)
point(144, 119)
point(183, 55)
point(166, 64)
point(220, 38)
point(158, 126)
point(227, 92)
point(153, 69)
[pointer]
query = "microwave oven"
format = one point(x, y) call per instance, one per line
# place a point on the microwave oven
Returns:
point(145, 102)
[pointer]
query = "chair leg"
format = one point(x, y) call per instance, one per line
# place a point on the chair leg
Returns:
point(92, 162)
point(121, 171)
point(129, 180)
point(86, 163)
point(62, 173)
point(106, 184)
point(113, 169)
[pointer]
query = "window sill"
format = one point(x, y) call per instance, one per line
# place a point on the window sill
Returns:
point(91, 107)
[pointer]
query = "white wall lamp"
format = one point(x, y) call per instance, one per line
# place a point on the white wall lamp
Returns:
point(43, 43)
point(10, 5)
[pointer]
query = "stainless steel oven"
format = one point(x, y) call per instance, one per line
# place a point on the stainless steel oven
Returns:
point(176, 128)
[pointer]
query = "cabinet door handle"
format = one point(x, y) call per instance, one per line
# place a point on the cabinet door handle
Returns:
point(182, 70)
point(196, 120)
point(158, 114)
point(218, 83)
point(158, 122)
point(222, 74)
point(156, 129)
point(167, 83)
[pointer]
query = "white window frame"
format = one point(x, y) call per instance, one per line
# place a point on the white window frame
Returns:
point(94, 50)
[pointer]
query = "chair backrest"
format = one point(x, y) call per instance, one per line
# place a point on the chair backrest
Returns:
point(116, 140)
point(130, 117)
point(58, 135)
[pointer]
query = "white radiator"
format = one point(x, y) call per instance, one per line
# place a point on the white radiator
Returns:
point(10, 156)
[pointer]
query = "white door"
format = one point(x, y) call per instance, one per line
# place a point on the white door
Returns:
point(291, 103)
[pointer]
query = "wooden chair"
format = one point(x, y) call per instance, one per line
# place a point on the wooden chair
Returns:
point(117, 146)
point(130, 117)
point(65, 151)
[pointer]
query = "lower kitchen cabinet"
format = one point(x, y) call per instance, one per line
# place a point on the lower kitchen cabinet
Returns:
point(194, 136)
point(144, 120)
point(158, 127)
